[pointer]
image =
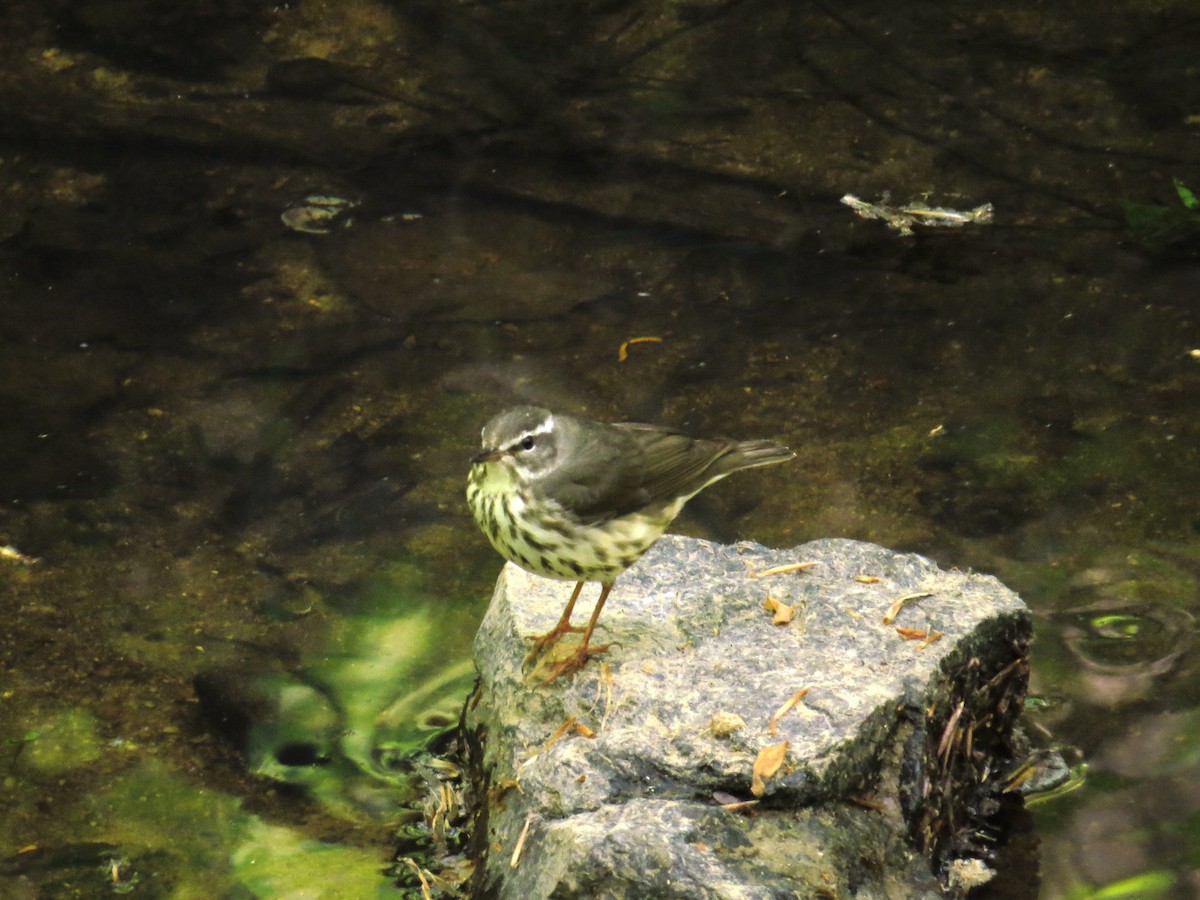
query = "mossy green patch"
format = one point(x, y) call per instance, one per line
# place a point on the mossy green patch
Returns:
point(278, 862)
point(63, 741)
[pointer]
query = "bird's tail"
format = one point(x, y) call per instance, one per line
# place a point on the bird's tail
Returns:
point(749, 454)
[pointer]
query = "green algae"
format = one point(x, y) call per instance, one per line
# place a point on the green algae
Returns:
point(277, 862)
point(1143, 886)
point(62, 741)
point(152, 806)
point(151, 831)
point(348, 724)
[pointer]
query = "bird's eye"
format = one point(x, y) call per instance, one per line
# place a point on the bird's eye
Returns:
point(527, 442)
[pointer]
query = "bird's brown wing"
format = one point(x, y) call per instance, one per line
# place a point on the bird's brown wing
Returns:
point(674, 464)
point(631, 466)
point(600, 479)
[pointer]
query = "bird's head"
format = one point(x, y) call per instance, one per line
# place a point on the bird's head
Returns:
point(523, 440)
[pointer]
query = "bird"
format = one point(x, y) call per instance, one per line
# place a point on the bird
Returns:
point(575, 499)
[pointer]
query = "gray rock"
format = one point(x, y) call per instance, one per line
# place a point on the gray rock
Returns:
point(892, 757)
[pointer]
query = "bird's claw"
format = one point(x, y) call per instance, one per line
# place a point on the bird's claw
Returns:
point(574, 662)
point(548, 640)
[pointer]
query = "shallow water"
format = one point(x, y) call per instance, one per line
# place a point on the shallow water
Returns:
point(237, 450)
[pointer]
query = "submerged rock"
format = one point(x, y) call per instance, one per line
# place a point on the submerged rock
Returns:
point(713, 753)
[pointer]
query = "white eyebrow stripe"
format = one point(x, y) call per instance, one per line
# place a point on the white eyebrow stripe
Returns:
point(544, 428)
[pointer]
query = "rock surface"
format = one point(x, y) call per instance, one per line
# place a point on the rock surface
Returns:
point(618, 782)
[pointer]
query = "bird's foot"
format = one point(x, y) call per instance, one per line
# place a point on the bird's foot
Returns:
point(574, 662)
point(549, 639)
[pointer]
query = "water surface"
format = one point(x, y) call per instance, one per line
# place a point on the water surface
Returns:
point(236, 418)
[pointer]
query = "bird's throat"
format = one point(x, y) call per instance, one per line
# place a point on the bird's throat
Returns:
point(494, 478)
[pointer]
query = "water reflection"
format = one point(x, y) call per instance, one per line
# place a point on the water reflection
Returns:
point(1127, 643)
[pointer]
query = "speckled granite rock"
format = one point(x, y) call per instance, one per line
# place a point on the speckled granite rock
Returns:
point(891, 756)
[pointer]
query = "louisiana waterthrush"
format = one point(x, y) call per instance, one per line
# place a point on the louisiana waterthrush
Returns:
point(578, 500)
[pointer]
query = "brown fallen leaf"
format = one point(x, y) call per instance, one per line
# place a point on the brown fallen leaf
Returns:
point(867, 579)
point(950, 731)
point(623, 350)
point(894, 610)
point(773, 724)
point(1022, 774)
point(559, 732)
point(739, 806)
point(515, 860)
point(933, 636)
point(502, 787)
point(912, 634)
point(766, 764)
point(783, 612)
point(868, 801)
point(782, 570)
point(604, 690)
point(421, 874)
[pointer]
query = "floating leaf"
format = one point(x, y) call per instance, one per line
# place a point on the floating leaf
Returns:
point(1185, 195)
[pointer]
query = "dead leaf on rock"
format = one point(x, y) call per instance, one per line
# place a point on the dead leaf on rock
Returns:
point(730, 803)
point(773, 725)
point(894, 610)
point(782, 570)
point(783, 612)
point(515, 860)
point(933, 636)
point(766, 764)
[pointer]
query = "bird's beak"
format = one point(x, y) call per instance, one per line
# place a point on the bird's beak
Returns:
point(486, 456)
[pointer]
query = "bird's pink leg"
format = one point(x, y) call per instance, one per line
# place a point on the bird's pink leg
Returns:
point(576, 660)
point(554, 635)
